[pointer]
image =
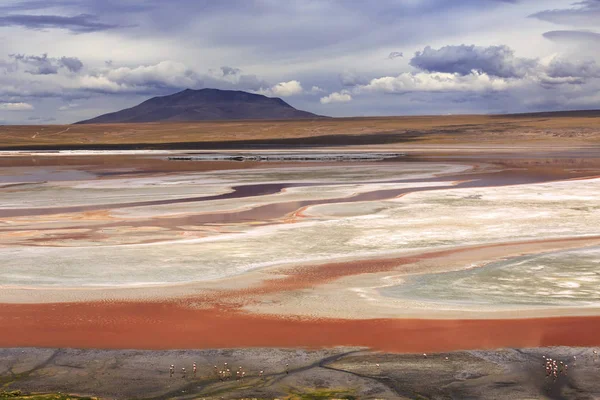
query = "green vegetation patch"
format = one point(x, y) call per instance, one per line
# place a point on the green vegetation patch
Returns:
point(322, 395)
point(17, 394)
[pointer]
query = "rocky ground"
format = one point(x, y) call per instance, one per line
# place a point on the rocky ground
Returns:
point(298, 374)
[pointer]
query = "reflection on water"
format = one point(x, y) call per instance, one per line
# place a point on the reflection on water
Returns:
point(564, 278)
point(29, 175)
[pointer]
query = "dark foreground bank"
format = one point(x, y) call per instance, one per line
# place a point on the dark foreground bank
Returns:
point(335, 373)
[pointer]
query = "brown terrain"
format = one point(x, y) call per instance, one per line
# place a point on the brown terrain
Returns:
point(509, 130)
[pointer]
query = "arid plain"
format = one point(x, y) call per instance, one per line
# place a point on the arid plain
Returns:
point(452, 233)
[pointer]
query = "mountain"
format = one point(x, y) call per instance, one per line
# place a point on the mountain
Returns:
point(204, 104)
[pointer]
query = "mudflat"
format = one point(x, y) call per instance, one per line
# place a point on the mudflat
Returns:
point(344, 373)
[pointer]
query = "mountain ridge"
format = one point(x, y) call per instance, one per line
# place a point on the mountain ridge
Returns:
point(191, 105)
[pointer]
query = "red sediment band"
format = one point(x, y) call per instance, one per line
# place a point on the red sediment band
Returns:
point(170, 325)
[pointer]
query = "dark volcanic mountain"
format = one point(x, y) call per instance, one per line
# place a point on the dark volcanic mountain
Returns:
point(204, 104)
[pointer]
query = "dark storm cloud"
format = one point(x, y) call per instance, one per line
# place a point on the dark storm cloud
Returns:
point(44, 65)
point(582, 13)
point(497, 61)
point(77, 24)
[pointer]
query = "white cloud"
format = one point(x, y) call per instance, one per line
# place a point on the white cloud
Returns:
point(343, 96)
point(165, 73)
point(316, 90)
point(283, 89)
point(435, 82)
point(164, 77)
point(16, 107)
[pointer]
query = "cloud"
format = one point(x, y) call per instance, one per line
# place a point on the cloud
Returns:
point(15, 107)
point(491, 79)
point(434, 82)
point(234, 77)
point(73, 64)
point(227, 71)
point(583, 37)
point(144, 78)
point(343, 96)
point(283, 89)
point(351, 78)
point(585, 12)
point(395, 54)
point(44, 65)
point(560, 68)
point(162, 78)
point(170, 47)
point(82, 23)
point(41, 65)
point(497, 61)
point(316, 90)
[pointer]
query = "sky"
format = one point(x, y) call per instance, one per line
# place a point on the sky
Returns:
point(66, 60)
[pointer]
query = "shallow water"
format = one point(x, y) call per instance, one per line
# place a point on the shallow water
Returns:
point(419, 221)
point(157, 231)
point(564, 278)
